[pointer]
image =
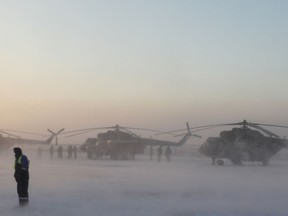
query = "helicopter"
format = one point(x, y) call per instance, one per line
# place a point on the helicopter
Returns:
point(251, 142)
point(121, 143)
point(8, 139)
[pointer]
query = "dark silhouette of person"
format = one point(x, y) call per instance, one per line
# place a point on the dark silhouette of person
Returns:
point(70, 151)
point(21, 176)
point(60, 152)
point(51, 151)
point(159, 152)
point(151, 152)
point(168, 153)
point(75, 152)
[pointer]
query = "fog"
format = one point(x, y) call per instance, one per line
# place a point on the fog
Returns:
point(185, 186)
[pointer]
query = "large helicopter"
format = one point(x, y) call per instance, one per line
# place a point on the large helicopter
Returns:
point(246, 143)
point(241, 144)
point(121, 143)
point(8, 139)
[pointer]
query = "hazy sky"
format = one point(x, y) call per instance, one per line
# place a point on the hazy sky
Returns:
point(148, 63)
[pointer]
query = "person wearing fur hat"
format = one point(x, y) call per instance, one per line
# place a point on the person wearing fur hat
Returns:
point(21, 176)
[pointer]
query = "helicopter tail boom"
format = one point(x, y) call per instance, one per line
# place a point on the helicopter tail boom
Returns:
point(179, 143)
point(49, 140)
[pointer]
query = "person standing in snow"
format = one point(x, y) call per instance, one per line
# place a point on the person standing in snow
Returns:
point(51, 151)
point(151, 152)
point(168, 153)
point(21, 176)
point(159, 153)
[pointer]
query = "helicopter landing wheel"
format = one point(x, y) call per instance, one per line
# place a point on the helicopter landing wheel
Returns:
point(220, 162)
point(265, 162)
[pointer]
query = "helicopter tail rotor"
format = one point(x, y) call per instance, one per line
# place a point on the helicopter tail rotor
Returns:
point(54, 135)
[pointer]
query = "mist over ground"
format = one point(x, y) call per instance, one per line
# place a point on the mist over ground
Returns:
point(185, 186)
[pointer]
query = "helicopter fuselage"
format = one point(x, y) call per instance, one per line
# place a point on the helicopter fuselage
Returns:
point(242, 144)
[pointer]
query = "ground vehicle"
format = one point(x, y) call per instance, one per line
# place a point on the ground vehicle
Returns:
point(120, 143)
point(243, 144)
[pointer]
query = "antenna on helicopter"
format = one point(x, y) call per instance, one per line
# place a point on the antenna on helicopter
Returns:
point(56, 134)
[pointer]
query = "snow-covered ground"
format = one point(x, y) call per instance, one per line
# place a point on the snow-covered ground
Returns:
point(184, 187)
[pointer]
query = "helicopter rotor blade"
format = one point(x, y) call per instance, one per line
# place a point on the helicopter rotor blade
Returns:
point(263, 130)
point(60, 131)
point(10, 134)
point(88, 129)
point(144, 129)
point(84, 131)
point(243, 123)
point(193, 132)
point(127, 129)
point(270, 125)
point(51, 131)
point(195, 135)
point(23, 132)
point(80, 133)
point(203, 127)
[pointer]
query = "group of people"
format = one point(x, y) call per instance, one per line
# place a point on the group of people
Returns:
point(168, 153)
point(71, 152)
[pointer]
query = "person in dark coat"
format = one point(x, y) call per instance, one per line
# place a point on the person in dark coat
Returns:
point(168, 153)
point(151, 152)
point(51, 151)
point(21, 176)
point(75, 152)
point(159, 153)
point(60, 152)
point(70, 151)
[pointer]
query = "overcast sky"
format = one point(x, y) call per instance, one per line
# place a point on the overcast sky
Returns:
point(152, 63)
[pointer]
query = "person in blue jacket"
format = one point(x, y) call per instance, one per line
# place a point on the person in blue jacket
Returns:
point(21, 176)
